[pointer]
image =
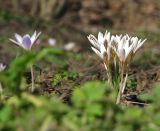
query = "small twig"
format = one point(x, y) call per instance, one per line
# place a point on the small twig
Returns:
point(140, 103)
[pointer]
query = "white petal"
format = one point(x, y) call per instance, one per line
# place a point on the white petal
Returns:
point(102, 49)
point(121, 54)
point(140, 43)
point(33, 37)
point(107, 36)
point(121, 43)
point(118, 38)
point(127, 37)
point(97, 52)
point(101, 39)
point(52, 41)
point(93, 41)
point(18, 38)
point(112, 38)
point(2, 67)
point(69, 46)
point(38, 35)
point(128, 52)
point(19, 44)
point(134, 41)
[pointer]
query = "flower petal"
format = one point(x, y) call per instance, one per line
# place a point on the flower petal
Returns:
point(101, 39)
point(121, 55)
point(26, 42)
point(139, 44)
point(97, 52)
point(107, 36)
point(93, 41)
point(19, 44)
point(33, 37)
point(103, 50)
point(2, 67)
point(18, 38)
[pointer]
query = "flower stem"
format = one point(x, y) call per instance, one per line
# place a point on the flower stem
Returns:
point(121, 84)
point(109, 76)
point(124, 83)
point(1, 89)
point(32, 79)
point(120, 91)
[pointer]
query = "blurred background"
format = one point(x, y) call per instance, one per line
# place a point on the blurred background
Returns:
point(70, 21)
point(86, 15)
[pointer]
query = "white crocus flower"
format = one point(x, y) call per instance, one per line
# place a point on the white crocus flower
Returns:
point(123, 47)
point(126, 46)
point(2, 67)
point(102, 45)
point(26, 41)
point(116, 51)
point(69, 46)
point(137, 43)
point(52, 41)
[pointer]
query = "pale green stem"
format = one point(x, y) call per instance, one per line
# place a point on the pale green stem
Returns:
point(109, 76)
point(121, 85)
point(1, 89)
point(32, 79)
point(115, 63)
point(124, 83)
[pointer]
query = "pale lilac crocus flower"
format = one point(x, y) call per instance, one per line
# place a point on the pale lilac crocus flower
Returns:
point(26, 41)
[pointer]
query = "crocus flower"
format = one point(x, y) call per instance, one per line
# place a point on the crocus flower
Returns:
point(102, 45)
point(2, 67)
point(126, 46)
point(137, 43)
point(116, 51)
point(69, 46)
point(52, 41)
point(26, 41)
point(123, 47)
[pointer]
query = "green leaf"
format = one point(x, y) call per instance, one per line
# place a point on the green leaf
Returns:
point(153, 95)
point(132, 114)
point(157, 119)
point(5, 114)
point(12, 78)
point(89, 92)
point(94, 109)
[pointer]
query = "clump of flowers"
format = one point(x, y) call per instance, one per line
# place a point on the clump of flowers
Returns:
point(116, 52)
point(26, 42)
